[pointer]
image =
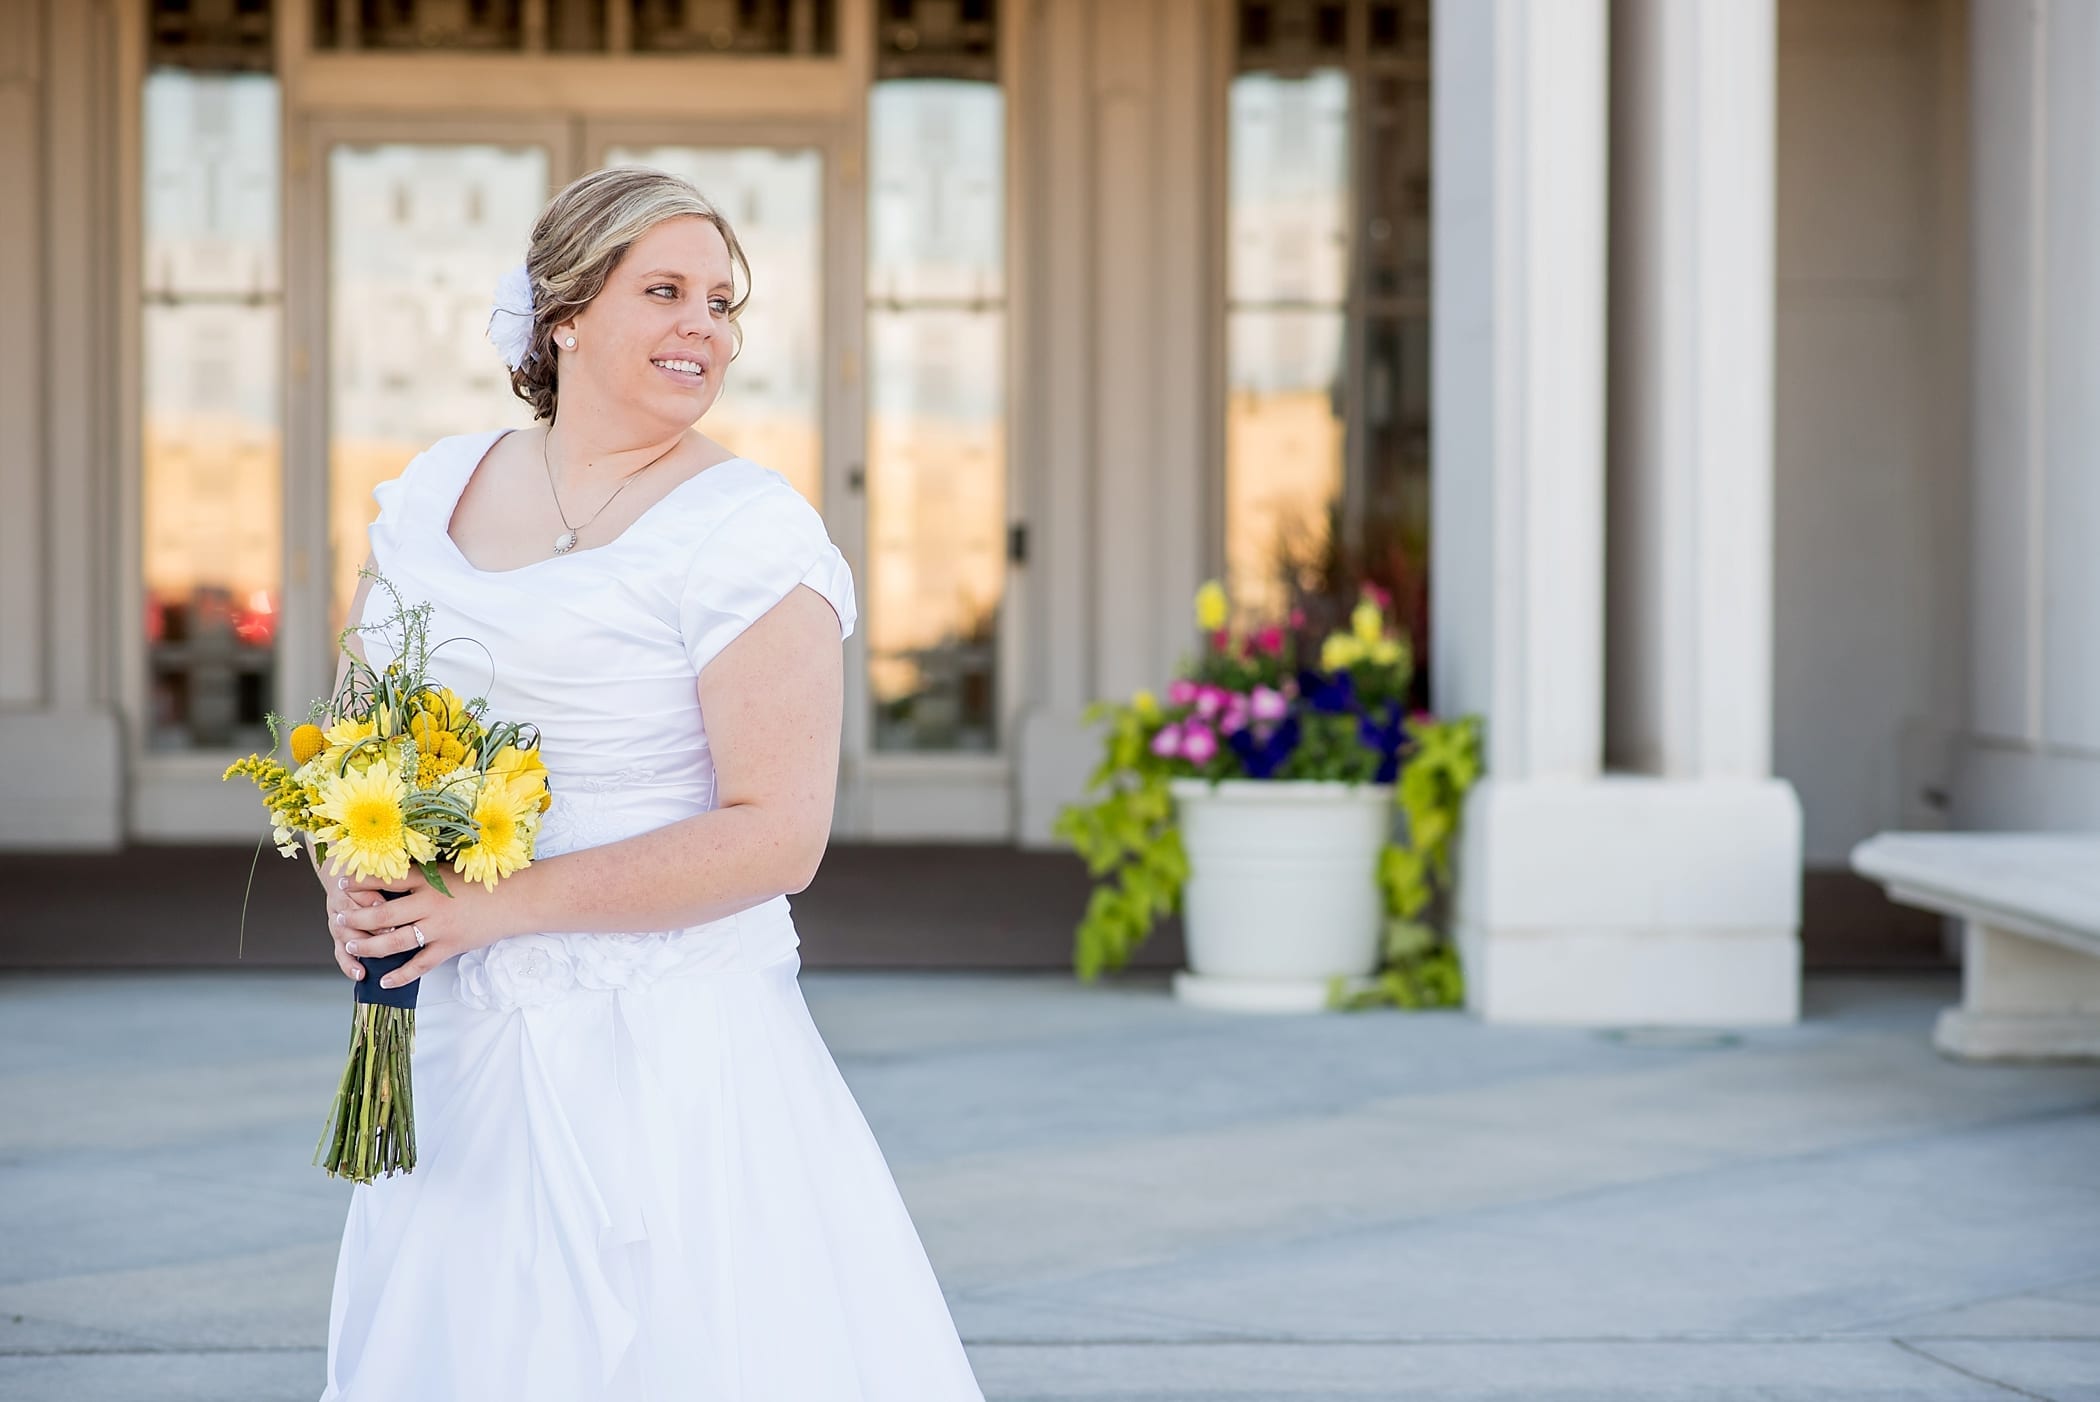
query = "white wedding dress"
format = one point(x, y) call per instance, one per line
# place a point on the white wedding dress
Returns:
point(640, 1177)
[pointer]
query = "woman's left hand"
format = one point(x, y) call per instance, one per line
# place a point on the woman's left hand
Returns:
point(469, 918)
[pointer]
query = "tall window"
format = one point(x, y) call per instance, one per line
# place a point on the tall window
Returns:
point(936, 470)
point(210, 330)
point(418, 233)
point(1327, 420)
point(577, 26)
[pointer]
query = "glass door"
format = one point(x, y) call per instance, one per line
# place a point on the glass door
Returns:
point(771, 408)
point(872, 377)
point(418, 234)
point(791, 401)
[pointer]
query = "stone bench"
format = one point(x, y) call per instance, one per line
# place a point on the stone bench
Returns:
point(2029, 904)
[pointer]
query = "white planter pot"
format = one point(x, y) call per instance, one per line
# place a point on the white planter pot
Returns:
point(1283, 889)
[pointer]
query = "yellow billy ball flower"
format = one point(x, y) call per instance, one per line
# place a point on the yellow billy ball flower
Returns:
point(1339, 652)
point(1146, 705)
point(1367, 623)
point(502, 820)
point(370, 836)
point(1389, 652)
point(439, 750)
point(1211, 607)
point(307, 741)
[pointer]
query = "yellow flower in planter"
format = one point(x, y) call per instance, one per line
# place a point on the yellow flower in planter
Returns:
point(1211, 607)
point(1388, 652)
point(1340, 652)
point(1146, 705)
point(1367, 623)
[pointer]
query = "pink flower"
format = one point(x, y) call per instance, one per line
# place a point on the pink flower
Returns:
point(1209, 701)
point(1198, 744)
point(1269, 704)
point(1181, 691)
point(1221, 641)
point(1297, 618)
point(1234, 717)
point(1167, 743)
point(1269, 641)
point(1378, 595)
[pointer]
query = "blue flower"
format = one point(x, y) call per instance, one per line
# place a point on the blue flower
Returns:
point(1332, 695)
point(1388, 738)
point(1262, 756)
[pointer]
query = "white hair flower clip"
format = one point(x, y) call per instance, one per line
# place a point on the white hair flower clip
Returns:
point(510, 320)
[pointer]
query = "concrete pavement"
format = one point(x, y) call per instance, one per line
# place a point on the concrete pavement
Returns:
point(1126, 1199)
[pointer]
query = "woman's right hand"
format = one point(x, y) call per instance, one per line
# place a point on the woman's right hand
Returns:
point(344, 895)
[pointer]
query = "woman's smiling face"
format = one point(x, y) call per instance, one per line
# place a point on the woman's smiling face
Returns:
point(657, 341)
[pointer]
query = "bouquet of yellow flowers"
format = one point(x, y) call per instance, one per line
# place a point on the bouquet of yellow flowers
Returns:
point(394, 770)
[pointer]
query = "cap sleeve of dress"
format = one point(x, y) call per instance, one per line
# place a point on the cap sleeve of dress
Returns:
point(768, 544)
point(394, 497)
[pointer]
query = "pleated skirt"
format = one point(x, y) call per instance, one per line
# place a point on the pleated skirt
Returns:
point(637, 1195)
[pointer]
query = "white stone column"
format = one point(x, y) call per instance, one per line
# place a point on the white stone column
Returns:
point(1120, 210)
point(2032, 757)
point(1670, 894)
point(61, 744)
point(1518, 394)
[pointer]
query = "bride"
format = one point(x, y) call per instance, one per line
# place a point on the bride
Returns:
point(641, 1177)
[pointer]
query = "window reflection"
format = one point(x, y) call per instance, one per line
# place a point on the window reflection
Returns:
point(771, 405)
point(936, 472)
point(212, 448)
point(418, 237)
point(1287, 319)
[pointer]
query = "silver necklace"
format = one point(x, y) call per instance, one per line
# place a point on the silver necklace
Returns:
point(566, 541)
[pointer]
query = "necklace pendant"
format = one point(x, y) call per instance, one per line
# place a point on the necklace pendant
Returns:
point(565, 542)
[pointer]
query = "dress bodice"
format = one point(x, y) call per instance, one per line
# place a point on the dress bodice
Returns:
point(602, 648)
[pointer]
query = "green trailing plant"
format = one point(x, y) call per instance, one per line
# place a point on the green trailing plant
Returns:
point(1419, 966)
point(1127, 838)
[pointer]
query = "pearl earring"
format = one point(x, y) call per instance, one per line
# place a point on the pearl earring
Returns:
point(569, 341)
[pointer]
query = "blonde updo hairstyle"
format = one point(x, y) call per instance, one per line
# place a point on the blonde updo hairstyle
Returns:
point(580, 238)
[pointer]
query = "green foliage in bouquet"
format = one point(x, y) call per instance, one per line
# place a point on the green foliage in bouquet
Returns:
point(394, 771)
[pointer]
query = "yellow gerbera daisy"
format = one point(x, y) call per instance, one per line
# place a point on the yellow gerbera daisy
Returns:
point(1211, 606)
point(369, 835)
point(523, 769)
point(503, 819)
point(445, 705)
point(341, 737)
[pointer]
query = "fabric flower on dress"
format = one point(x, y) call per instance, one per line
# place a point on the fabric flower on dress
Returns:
point(510, 319)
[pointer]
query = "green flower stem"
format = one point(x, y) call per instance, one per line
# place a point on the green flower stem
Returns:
point(371, 1130)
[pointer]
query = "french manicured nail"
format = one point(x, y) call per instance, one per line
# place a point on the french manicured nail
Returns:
point(387, 982)
point(360, 973)
point(349, 946)
point(340, 918)
point(342, 883)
